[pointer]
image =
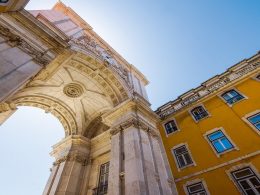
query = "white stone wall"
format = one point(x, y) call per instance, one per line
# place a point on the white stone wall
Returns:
point(16, 67)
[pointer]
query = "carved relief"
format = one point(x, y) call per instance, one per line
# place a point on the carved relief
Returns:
point(87, 43)
point(73, 90)
point(4, 107)
point(15, 40)
point(80, 158)
point(137, 123)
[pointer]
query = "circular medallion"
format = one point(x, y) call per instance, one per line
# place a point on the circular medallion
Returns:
point(73, 90)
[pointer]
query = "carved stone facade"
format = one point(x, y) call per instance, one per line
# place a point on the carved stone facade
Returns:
point(63, 67)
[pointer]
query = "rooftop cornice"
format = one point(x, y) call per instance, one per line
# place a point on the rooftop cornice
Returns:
point(233, 74)
point(59, 37)
point(59, 6)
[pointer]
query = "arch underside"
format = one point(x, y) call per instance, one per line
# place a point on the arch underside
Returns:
point(77, 89)
point(63, 114)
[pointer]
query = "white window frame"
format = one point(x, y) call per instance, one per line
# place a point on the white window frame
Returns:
point(188, 183)
point(199, 105)
point(238, 167)
point(245, 119)
point(99, 171)
point(171, 119)
point(226, 135)
point(175, 159)
point(255, 77)
point(233, 88)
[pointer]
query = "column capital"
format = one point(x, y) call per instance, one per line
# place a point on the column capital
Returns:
point(137, 123)
point(72, 148)
point(134, 113)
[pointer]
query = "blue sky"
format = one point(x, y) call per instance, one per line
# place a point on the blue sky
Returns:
point(176, 44)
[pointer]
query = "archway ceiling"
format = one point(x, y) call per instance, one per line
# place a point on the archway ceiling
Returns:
point(77, 91)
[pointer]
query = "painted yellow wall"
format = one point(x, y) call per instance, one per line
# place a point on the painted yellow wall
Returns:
point(221, 115)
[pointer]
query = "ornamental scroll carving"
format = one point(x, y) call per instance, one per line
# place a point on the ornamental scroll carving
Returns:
point(85, 42)
point(80, 158)
point(15, 40)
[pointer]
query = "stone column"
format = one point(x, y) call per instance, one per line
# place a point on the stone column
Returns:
point(115, 167)
point(69, 169)
point(136, 165)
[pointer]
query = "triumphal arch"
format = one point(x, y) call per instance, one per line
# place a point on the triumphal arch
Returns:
point(53, 60)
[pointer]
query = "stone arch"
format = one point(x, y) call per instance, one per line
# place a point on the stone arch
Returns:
point(115, 81)
point(58, 109)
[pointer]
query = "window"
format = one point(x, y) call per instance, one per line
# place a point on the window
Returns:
point(258, 77)
point(170, 127)
point(196, 189)
point(232, 96)
point(255, 120)
point(182, 156)
point(247, 181)
point(103, 179)
point(219, 141)
point(199, 113)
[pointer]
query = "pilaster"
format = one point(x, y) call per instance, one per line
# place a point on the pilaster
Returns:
point(136, 165)
point(68, 172)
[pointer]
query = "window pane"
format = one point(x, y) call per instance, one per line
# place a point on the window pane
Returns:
point(188, 158)
point(255, 182)
point(170, 127)
point(215, 135)
point(243, 173)
point(255, 119)
point(181, 161)
point(180, 150)
point(218, 146)
point(233, 93)
point(232, 96)
point(226, 96)
point(199, 113)
point(258, 126)
point(195, 188)
point(250, 192)
point(226, 143)
point(245, 184)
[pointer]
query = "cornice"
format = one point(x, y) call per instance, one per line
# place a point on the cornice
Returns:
point(15, 40)
point(137, 123)
point(133, 107)
point(216, 83)
point(53, 37)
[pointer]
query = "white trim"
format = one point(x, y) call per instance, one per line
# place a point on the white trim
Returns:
point(229, 89)
point(245, 119)
point(255, 77)
point(227, 163)
point(168, 120)
point(199, 105)
point(189, 152)
point(238, 167)
point(194, 182)
point(226, 135)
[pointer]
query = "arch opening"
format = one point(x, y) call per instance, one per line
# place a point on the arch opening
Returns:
point(26, 143)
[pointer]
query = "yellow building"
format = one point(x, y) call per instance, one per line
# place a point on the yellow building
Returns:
point(211, 134)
